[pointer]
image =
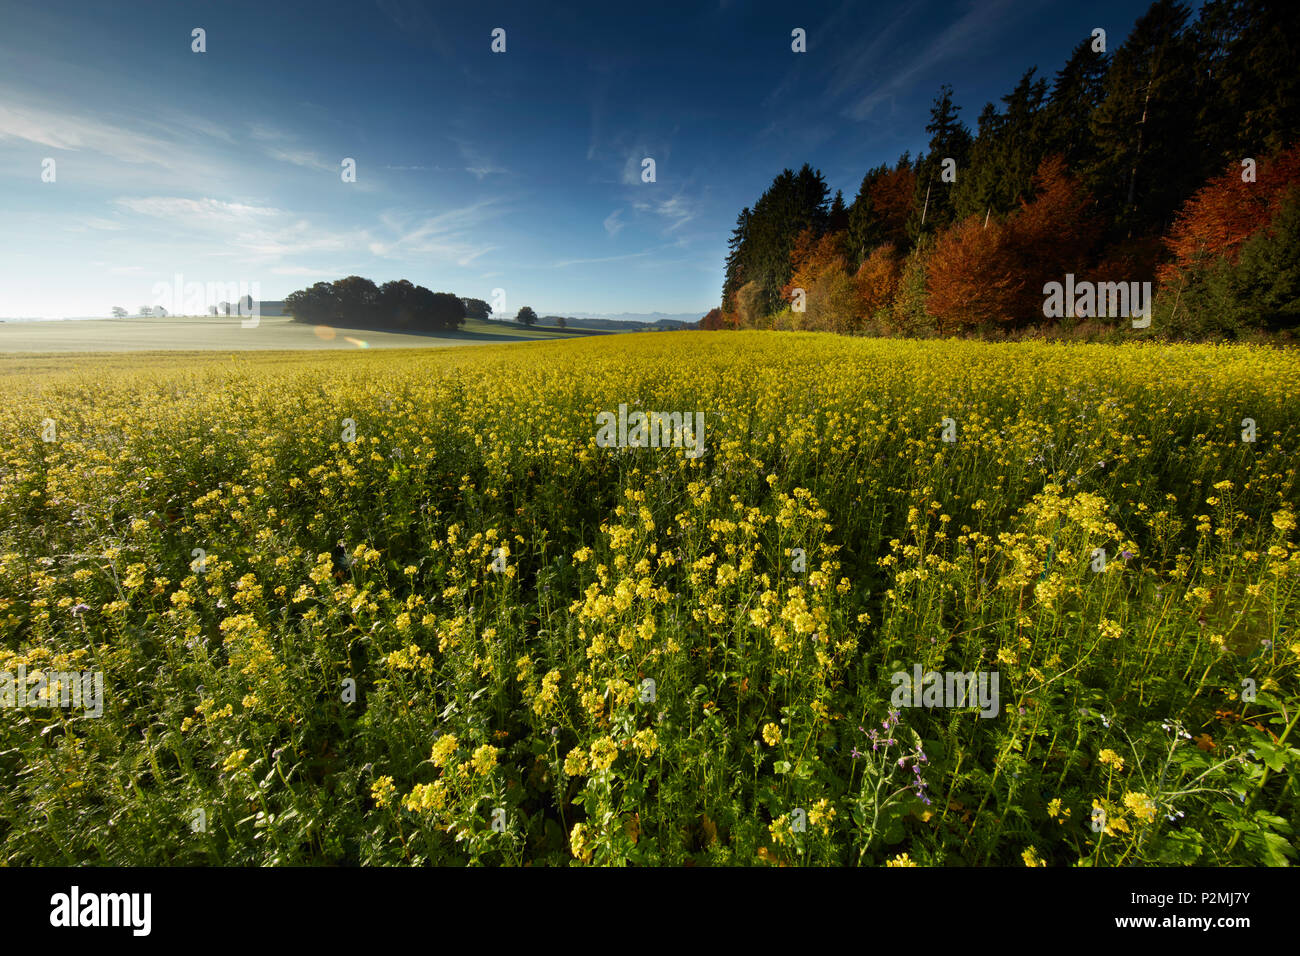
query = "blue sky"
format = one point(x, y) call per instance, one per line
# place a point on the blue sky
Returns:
point(476, 171)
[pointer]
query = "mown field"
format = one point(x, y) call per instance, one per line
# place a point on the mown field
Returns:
point(454, 629)
point(204, 333)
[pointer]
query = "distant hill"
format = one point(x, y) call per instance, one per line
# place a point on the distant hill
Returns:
point(671, 320)
point(627, 322)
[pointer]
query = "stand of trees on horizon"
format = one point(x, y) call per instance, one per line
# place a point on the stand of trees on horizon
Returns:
point(1172, 159)
point(240, 308)
point(401, 306)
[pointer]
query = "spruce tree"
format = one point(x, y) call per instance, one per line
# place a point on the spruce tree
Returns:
point(1145, 164)
point(949, 140)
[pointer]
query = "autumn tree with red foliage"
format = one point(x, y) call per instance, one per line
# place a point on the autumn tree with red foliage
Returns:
point(877, 281)
point(801, 253)
point(880, 213)
point(891, 199)
point(973, 280)
point(1051, 234)
point(810, 258)
point(712, 321)
point(1226, 211)
point(820, 268)
point(986, 273)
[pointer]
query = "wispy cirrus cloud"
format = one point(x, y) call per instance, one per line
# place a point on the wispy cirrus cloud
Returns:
point(448, 236)
point(172, 120)
point(66, 131)
point(205, 211)
point(677, 210)
point(967, 32)
point(267, 234)
point(295, 239)
point(265, 132)
point(257, 234)
point(480, 170)
point(564, 264)
point(477, 163)
point(619, 155)
point(474, 254)
point(95, 222)
point(301, 157)
point(298, 271)
point(634, 159)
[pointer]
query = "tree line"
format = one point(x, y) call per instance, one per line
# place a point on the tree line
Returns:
point(1171, 160)
point(356, 302)
point(399, 305)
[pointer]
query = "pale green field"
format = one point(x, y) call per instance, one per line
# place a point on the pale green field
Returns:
point(226, 334)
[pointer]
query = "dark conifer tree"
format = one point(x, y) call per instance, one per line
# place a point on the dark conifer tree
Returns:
point(1145, 161)
point(949, 139)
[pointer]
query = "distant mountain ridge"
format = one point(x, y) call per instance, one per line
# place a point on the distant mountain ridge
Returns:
point(642, 318)
point(625, 322)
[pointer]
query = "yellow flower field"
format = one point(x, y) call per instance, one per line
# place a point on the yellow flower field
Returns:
point(405, 608)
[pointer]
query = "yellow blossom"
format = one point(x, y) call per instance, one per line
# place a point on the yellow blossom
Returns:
point(443, 748)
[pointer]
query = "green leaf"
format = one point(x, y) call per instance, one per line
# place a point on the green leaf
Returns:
point(1274, 758)
point(1273, 848)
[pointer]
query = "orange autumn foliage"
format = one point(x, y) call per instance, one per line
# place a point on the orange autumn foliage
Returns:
point(712, 321)
point(972, 279)
point(987, 274)
point(1226, 211)
point(877, 280)
point(1050, 235)
point(820, 268)
point(811, 259)
point(891, 203)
